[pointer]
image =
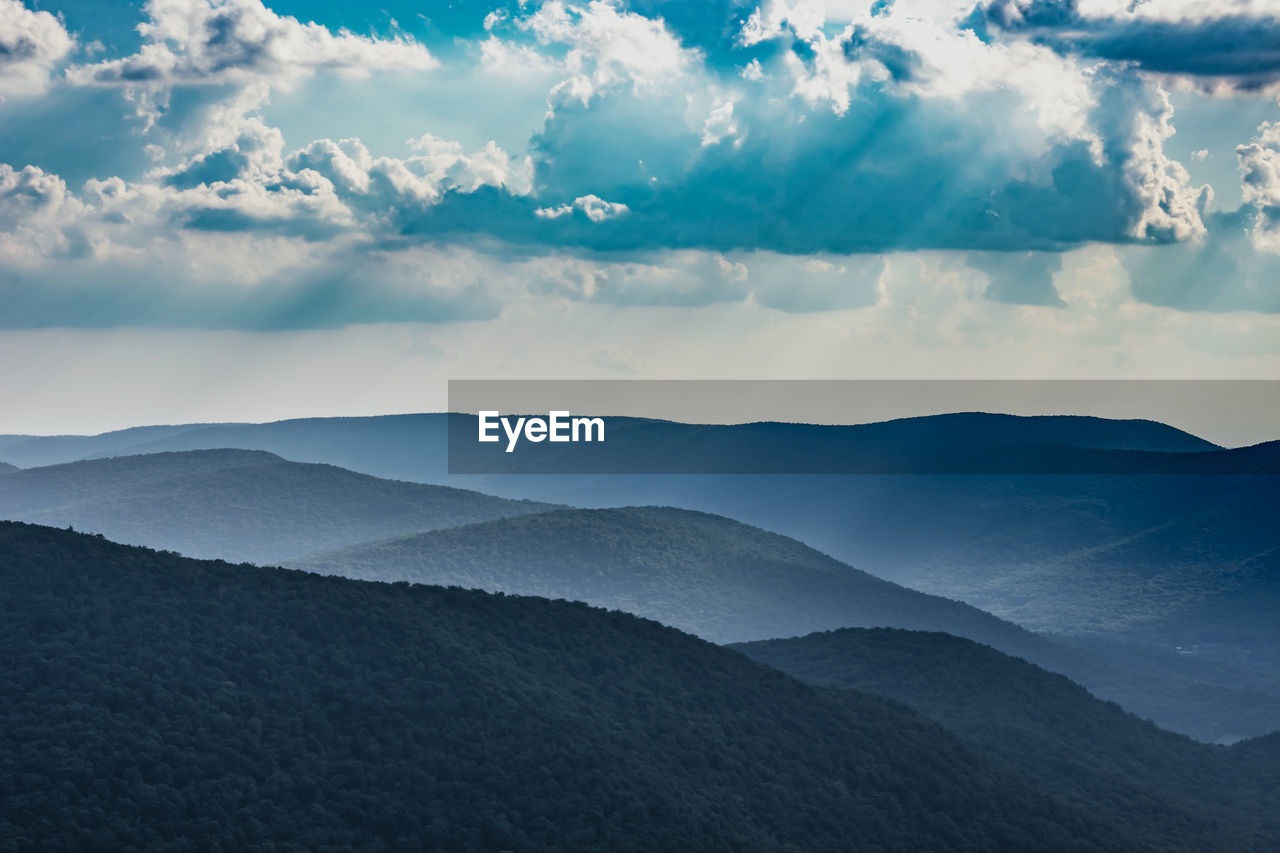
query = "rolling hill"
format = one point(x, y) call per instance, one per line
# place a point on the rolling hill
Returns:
point(1167, 582)
point(712, 576)
point(1169, 560)
point(1045, 726)
point(5, 467)
point(727, 582)
point(32, 451)
point(236, 504)
point(414, 446)
point(153, 698)
point(1165, 560)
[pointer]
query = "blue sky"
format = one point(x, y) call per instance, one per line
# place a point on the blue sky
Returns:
point(220, 209)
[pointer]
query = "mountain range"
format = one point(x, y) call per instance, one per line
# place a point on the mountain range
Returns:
point(236, 504)
point(720, 579)
point(1168, 579)
point(1044, 727)
point(154, 698)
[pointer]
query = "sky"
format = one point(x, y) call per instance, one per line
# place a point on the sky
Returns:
point(231, 210)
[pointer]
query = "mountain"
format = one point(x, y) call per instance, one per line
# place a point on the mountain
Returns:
point(1260, 758)
point(1171, 561)
point(151, 697)
point(1048, 729)
point(1186, 563)
point(5, 467)
point(962, 442)
point(706, 574)
point(400, 447)
point(1175, 561)
point(1175, 574)
point(727, 581)
point(415, 446)
point(31, 451)
point(236, 504)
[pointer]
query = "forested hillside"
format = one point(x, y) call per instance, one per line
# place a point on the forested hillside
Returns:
point(728, 582)
point(161, 702)
point(702, 573)
point(1049, 729)
point(237, 504)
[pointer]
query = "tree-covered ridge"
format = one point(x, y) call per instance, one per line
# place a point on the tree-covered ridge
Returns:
point(237, 504)
point(1260, 757)
point(730, 582)
point(702, 573)
point(1181, 794)
point(159, 702)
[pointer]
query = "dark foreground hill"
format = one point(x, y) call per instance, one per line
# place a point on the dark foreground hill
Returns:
point(1050, 730)
point(5, 467)
point(237, 504)
point(1260, 758)
point(157, 702)
point(728, 582)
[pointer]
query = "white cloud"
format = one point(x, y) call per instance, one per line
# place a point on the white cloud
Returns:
point(1260, 168)
point(36, 215)
point(1175, 10)
point(31, 44)
point(720, 123)
point(922, 52)
point(510, 59)
point(444, 163)
point(592, 206)
point(225, 58)
point(608, 47)
point(1171, 208)
point(207, 42)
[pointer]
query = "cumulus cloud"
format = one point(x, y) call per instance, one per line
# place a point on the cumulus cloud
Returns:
point(207, 66)
point(663, 173)
point(1260, 169)
point(898, 130)
point(31, 44)
point(591, 206)
point(893, 172)
point(510, 59)
point(720, 124)
point(1220, 42)
point(37, 215)
point(607, 46)
point(210, 42)
point(323, 188)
